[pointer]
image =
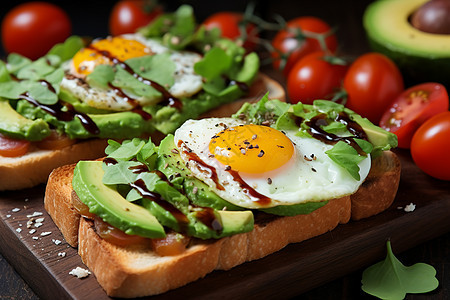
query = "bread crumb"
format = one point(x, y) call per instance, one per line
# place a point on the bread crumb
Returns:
point(46, 233)
point(35, 214)
point(39, 220)
point(15, 209)
point(19, 230)
point(62, 254)
point(79, 272)
point(32, 231)
point(410, 207)
point(35, 238)
point(56, 242)
point(8, 216)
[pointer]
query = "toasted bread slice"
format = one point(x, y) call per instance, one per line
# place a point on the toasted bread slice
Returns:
point(133, 272)
point(34, 167)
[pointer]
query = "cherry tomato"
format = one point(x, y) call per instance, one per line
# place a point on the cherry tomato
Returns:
point(129, 15)
point(80, 207)
point(229, 25)
point(116, 236)
point(172, 244)
point(287, 42)
point(12, 147)
point(32, 29)
point(316, 76)
point(413, 107)
point(430, 144)
point(372, 82)
point(55, 141)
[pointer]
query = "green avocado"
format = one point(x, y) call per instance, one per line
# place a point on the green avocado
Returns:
point(381, 139)
point(108, 204)
point(420, 55)
point(16, 126)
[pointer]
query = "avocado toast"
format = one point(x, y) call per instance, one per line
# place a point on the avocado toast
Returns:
point(120, 87)
point(159, 185)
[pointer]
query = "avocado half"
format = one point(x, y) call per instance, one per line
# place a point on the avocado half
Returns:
point(421, 56)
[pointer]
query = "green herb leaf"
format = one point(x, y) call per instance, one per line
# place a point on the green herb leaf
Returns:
point(41, 93)
point(15, 62)
point(4, 74)
point(11, 89)
point(128, 149)
point(101, 76)
point(36, 70)
point(67, 50)
point(120, 173)
point(215, 63)
point(347, 157)
point(390, 279)
point(159, 68)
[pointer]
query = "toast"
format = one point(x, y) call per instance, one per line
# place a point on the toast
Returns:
point(14, 171)
point(134, 272)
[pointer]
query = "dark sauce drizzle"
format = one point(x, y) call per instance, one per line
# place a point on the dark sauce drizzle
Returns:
point(329, 138)
point(56, 111)
point(168, 99)
point(181, 218)
point(204, 167)
point(248, 190)
point(241, 85)
point(136, 107)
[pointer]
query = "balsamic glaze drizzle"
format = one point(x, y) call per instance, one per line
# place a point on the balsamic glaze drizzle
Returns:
point(330, 138)
point(68, 115)
point(168, 99)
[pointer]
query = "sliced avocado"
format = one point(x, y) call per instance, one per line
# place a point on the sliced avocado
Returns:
point(381, 139)
point(16, 126)
point(295, 209)
point(108, 204)
point(420, 55)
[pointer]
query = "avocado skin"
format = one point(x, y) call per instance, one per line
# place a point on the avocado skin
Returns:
point(105, 202)
point(16, 126)
point(416, 69)
point(416, 66)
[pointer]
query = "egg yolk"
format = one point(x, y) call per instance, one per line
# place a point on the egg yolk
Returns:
point(105, 51)
point(252, 149)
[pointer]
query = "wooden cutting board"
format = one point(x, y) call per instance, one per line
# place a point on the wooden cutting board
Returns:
point(39, 259)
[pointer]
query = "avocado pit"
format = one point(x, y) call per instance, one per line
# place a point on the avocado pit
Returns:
point(432, 17)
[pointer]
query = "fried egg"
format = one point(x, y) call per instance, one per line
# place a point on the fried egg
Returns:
point(256, 166)
point(113, 51)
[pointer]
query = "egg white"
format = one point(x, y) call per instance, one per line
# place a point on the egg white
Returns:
point(309, 176)
point(186, 81)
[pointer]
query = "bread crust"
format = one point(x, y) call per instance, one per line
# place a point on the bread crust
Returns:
point(378, 191)
point(131, 272)
point(34, 167)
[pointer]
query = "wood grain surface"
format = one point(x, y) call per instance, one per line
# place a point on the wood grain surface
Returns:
point(287, 273)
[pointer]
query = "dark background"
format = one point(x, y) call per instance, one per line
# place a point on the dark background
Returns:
point(91, 18)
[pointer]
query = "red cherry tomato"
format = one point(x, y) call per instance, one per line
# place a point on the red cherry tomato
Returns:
point(372, 82)
point(116, 236)
point(128, 15)
point(13, 148)
point(172, 244)
point(430, 145)
point(286, 43)
point(229, 25)
point(32, 29)
point(316, 76)
point(413, 107)
point(55, 141)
